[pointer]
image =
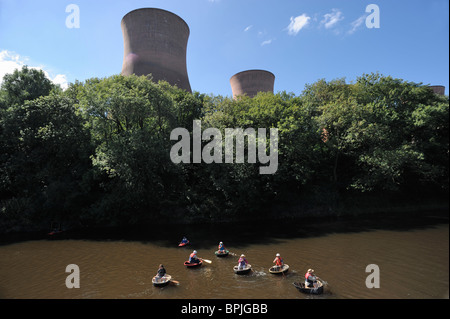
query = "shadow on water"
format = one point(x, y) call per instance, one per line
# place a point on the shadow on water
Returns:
point(244, 233)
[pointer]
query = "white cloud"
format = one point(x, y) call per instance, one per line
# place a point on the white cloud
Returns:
point(9, 61)
point(331, 19)
point(357, 23)
point(297, 24)
point(266, 42)
point(60, 79)
point(248, 28)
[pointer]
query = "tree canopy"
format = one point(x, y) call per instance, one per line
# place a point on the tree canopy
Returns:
point(99, 151)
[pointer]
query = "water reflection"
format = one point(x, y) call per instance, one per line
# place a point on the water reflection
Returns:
point(240, 235)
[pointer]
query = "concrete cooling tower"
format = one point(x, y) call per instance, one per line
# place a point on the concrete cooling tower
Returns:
point(251, 82)
point(155, 42)
point(438, 89)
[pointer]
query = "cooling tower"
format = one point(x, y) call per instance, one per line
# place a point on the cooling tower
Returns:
point(251, 82)
point(155, 42)
point(438, 89)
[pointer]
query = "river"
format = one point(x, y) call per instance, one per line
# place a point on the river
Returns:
point(412, 255)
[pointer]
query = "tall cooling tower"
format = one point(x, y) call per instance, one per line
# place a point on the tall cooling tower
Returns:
point(251, 82)
point(155, 42)
point(438, 89)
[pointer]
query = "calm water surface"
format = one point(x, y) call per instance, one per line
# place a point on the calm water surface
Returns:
point(412, 255)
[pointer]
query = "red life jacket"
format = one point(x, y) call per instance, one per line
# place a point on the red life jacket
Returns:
point(307, 275)
point(278, 261)
point(192, 255)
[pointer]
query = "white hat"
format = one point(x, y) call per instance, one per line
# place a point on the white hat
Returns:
point(194, 251)
point(278, 254)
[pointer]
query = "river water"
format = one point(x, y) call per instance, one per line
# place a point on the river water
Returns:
point(412, 254)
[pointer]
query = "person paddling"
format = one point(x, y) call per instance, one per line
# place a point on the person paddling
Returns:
point(221, 248)
point(161, 272)
point(242, 262)
point(310, 279)
point(193, 259)
point(278, 261)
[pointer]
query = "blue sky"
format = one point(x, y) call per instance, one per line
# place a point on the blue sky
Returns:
point(300, 41)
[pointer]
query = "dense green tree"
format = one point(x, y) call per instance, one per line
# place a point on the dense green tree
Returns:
point(24, 85)
point(131, 119)
point(99, 151)
point(45, 158)
point(392, 146)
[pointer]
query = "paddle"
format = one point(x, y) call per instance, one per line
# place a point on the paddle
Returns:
point(281, 268)
point(323, 281)
point(206, 260)
point(175, 282)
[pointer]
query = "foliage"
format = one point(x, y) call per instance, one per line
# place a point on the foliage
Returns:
point(98, 152)
point(44, 159)
point(24, 85)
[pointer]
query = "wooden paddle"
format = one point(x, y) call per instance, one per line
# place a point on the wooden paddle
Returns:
point(175, 282)
point(206, 260)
